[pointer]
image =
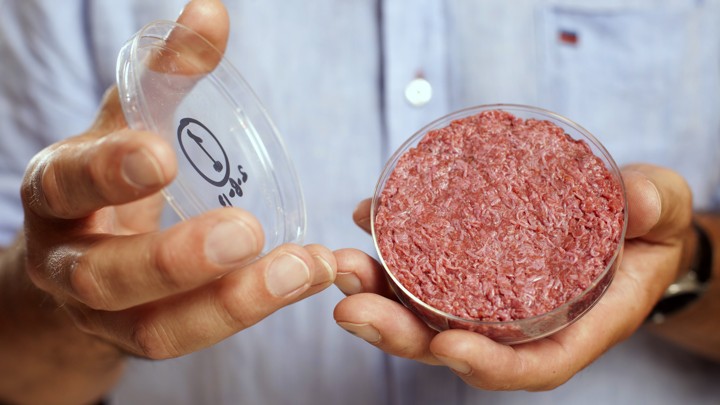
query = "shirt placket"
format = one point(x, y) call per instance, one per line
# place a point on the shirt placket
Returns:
point(415, 71)
point(415, 93)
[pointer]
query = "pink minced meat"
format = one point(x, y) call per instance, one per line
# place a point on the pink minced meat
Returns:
point(496, 218)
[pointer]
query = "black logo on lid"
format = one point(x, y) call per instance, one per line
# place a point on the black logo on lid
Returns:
point(208, 157)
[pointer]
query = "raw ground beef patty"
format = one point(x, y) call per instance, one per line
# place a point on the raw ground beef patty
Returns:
point(497, 218)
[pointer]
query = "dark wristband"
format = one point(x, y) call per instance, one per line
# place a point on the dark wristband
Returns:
point(692, 285)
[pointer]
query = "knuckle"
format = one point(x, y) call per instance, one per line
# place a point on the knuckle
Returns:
point(46, 192)
point(52, 196)
point(165, 262)
point(100, 171)
point(412, 351)
point(87, 287)
point(233, 309)
point(50, 184)
point(683, 190)
point(553, 376)
point(152, 342)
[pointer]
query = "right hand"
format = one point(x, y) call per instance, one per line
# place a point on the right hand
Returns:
point(91, 233)
point(655, 252)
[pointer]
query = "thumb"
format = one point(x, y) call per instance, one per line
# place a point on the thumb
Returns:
point(361, 215)
point(191, 54)
point(199, 50)
point(210, 19)
point(659, 203)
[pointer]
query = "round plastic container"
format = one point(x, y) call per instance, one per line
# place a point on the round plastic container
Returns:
point(520, 330)
point(174, 83)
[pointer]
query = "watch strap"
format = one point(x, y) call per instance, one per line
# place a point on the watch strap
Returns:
point(691, 286)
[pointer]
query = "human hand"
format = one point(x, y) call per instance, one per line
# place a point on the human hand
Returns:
point(91, 214)
point(659, 216)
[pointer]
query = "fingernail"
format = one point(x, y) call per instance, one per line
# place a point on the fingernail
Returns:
point(658, 201)
point(141, 169)
point(459, 366)
point(364, 331)
point(230, 242)
point(325, 272)
point(348, 283)
point(649, 193)
point(362, 221)
point(286, 274)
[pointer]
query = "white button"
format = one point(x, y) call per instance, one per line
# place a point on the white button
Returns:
point(418, 92)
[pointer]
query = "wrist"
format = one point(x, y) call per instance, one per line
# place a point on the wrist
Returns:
point(41, 346)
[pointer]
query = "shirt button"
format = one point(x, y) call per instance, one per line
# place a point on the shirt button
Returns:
point(418, 92)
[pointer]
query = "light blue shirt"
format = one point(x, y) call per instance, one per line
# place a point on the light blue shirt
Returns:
point(643, 76)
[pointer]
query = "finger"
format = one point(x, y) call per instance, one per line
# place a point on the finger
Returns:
point(199, 318)
point(659, 203)
point(325, 272)
point(386, 324)
point(543, 364)
point(121, 272)
point(195, 54)
point(192, 55)
point(75, 178)
point(145, 168)
point(210, 19)
point(358, 272)
point(110, 116)
point(484, 363)
point(140, 216)
point(361, 215)
point(550, 362)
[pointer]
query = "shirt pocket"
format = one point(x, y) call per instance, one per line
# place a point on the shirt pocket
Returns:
point(643, 79)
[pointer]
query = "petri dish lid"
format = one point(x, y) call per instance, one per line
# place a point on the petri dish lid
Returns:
point(174, 83)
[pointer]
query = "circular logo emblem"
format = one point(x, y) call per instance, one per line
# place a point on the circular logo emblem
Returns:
point(204, 151)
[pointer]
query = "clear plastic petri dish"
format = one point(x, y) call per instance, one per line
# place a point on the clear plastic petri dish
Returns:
point(435, 290)
point(174, 83)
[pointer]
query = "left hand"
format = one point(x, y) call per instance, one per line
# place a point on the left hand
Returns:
point(659, 217)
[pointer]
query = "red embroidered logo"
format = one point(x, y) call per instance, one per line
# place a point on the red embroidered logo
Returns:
point(568, 37)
